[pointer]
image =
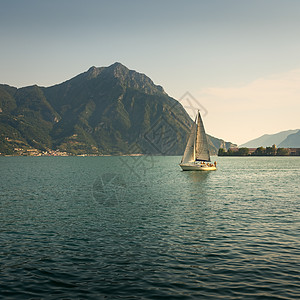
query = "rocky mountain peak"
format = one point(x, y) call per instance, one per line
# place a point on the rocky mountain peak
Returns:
point(93, 72)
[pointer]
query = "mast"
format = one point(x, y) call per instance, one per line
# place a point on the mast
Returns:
point(195, 138)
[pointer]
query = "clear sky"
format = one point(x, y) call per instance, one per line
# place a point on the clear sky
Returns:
point(239, 59)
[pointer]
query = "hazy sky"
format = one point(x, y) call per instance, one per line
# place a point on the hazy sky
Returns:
point(239, 59)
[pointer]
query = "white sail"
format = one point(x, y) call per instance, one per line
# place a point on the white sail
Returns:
point(201, 145)
point(197, 150)
point(189, 152)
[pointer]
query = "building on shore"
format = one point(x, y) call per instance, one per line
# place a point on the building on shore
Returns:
point(294, 151)
point(260, 151)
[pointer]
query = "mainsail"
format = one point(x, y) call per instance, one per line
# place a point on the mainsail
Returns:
point(197, 146)
point(201, 145)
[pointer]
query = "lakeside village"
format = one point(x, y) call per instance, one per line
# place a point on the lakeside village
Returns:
point(49, 152)
point(21, 149)
point(260, 151)
point(36, 152)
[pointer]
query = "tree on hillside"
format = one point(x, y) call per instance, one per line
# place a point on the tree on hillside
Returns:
point(282, 152)
point(260, 151)
point(269, 151)
point(231, 152)
point(243, 151)
point(222, 152)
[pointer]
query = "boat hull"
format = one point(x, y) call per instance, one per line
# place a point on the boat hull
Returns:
point(197, 167)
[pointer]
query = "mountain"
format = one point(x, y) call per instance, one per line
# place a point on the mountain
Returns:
point(268, 140)
point(291, 141)
point(107, 110)
point(26, 119)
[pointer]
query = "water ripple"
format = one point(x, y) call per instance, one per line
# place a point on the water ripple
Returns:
point(231, 234)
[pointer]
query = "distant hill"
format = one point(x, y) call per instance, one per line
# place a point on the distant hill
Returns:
point(107, 110)
point(269, 139)
point(292, 141)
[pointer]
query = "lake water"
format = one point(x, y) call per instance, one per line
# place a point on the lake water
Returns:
point(140, 228)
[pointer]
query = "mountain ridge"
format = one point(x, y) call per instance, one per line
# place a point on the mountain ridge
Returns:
point(105, 110)
point(268, 140)
point(291, 141)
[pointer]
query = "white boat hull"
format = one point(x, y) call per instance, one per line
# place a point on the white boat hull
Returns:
point(196, 167)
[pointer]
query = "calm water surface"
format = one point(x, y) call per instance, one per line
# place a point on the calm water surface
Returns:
point(140, 228)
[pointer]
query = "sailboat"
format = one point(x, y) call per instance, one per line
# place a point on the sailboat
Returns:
point(196, 155)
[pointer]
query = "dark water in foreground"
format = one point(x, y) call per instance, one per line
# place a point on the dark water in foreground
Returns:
point(139, 228)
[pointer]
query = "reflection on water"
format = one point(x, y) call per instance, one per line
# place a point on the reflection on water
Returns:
point(195, 185)
point(197, 177)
